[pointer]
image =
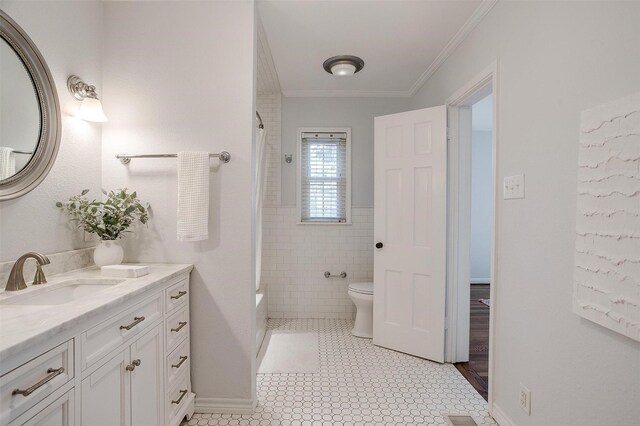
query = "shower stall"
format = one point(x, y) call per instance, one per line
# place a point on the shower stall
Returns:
point(261, 303)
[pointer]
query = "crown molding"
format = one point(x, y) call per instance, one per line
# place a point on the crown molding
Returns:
point(453, 44)
point(481, 11)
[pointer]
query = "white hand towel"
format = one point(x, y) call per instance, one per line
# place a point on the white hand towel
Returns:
point(193, 196)
point(7, 162)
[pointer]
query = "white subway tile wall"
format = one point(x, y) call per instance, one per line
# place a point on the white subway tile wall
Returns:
point(295, 258)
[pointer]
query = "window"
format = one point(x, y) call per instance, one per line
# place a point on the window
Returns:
point(324, 175)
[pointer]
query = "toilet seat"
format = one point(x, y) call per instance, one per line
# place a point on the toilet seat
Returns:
point(361, 288)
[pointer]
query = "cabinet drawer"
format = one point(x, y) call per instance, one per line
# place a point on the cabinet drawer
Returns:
point(178, 362)
point(177, 295)
point(176, 328)
point(103, 338)
point(177, 398)
point(22, 388)
point(58, 412)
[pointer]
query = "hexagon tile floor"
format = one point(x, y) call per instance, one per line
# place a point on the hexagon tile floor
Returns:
point(357, 384)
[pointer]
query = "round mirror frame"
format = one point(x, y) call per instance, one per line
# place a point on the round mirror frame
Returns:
point(45, 152)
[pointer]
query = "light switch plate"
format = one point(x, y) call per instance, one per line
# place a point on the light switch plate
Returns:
point(514, 187)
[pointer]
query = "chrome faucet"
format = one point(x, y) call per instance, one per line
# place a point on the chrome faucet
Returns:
point(16, 276)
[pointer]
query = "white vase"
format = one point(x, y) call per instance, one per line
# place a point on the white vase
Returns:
point(108, 253)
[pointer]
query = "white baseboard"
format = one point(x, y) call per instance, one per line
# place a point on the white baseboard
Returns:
point(225, 405)
point(500, 417)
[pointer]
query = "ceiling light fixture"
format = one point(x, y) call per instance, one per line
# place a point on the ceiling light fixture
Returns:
point(343, 65)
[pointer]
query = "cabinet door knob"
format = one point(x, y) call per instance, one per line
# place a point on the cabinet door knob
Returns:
point(135, 363)
point(379, 245)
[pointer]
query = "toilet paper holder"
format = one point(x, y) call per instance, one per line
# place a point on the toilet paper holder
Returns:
point(342, 274)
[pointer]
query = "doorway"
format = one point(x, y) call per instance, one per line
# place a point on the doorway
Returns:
point(472, 229)
point(476, 369)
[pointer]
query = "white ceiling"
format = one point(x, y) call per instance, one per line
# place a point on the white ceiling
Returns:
point(401, 41)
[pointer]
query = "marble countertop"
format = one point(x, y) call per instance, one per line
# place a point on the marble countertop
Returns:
point(24, 326)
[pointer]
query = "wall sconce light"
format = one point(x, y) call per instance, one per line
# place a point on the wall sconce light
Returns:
point(91, 107)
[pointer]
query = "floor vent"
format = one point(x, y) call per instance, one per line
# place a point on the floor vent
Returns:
point(460, 420)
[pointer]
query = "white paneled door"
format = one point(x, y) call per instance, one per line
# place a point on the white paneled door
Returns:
point(410, 231)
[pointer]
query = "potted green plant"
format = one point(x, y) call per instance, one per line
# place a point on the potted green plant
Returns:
point(110, 220)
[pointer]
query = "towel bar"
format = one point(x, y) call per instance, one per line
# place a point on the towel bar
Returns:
point(224, 156)
point(327, 274)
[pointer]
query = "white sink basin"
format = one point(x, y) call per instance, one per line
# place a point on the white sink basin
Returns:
point(64, 292)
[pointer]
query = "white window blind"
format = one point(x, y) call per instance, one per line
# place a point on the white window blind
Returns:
point(323, 177)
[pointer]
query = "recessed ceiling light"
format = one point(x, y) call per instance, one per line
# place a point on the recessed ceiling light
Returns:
point(343, 65)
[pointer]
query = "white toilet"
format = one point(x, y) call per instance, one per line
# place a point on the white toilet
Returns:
point(362, 296)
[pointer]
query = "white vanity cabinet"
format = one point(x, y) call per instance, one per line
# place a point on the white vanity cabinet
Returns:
point(106, 394)
point(147, 379)
point(57, 413)
point(127, 366)
point(127, 386)
point(177, 372)
point(34, 381)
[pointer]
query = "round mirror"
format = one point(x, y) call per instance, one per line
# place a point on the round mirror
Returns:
point(29, 113)
point(19, 113)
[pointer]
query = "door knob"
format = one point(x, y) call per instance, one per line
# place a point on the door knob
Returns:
point(379, 245)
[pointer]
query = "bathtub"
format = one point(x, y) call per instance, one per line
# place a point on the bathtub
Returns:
point(261, 320)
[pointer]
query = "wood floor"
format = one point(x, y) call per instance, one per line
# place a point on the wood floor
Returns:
point(476, 371)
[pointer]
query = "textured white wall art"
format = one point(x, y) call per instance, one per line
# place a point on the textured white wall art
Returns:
point(607, 258)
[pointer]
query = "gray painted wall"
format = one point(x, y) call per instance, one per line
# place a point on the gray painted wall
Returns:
point(32, 222)
point(150, 112)
point(357, 113)
point(556, 59)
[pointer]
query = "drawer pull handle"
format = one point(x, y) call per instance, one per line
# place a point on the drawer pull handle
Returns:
point(137, 320)
point(183, 392)
point(52, 372)
point(182, 360)
point(179, 295)
point(181, 324)
point(135, 363)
